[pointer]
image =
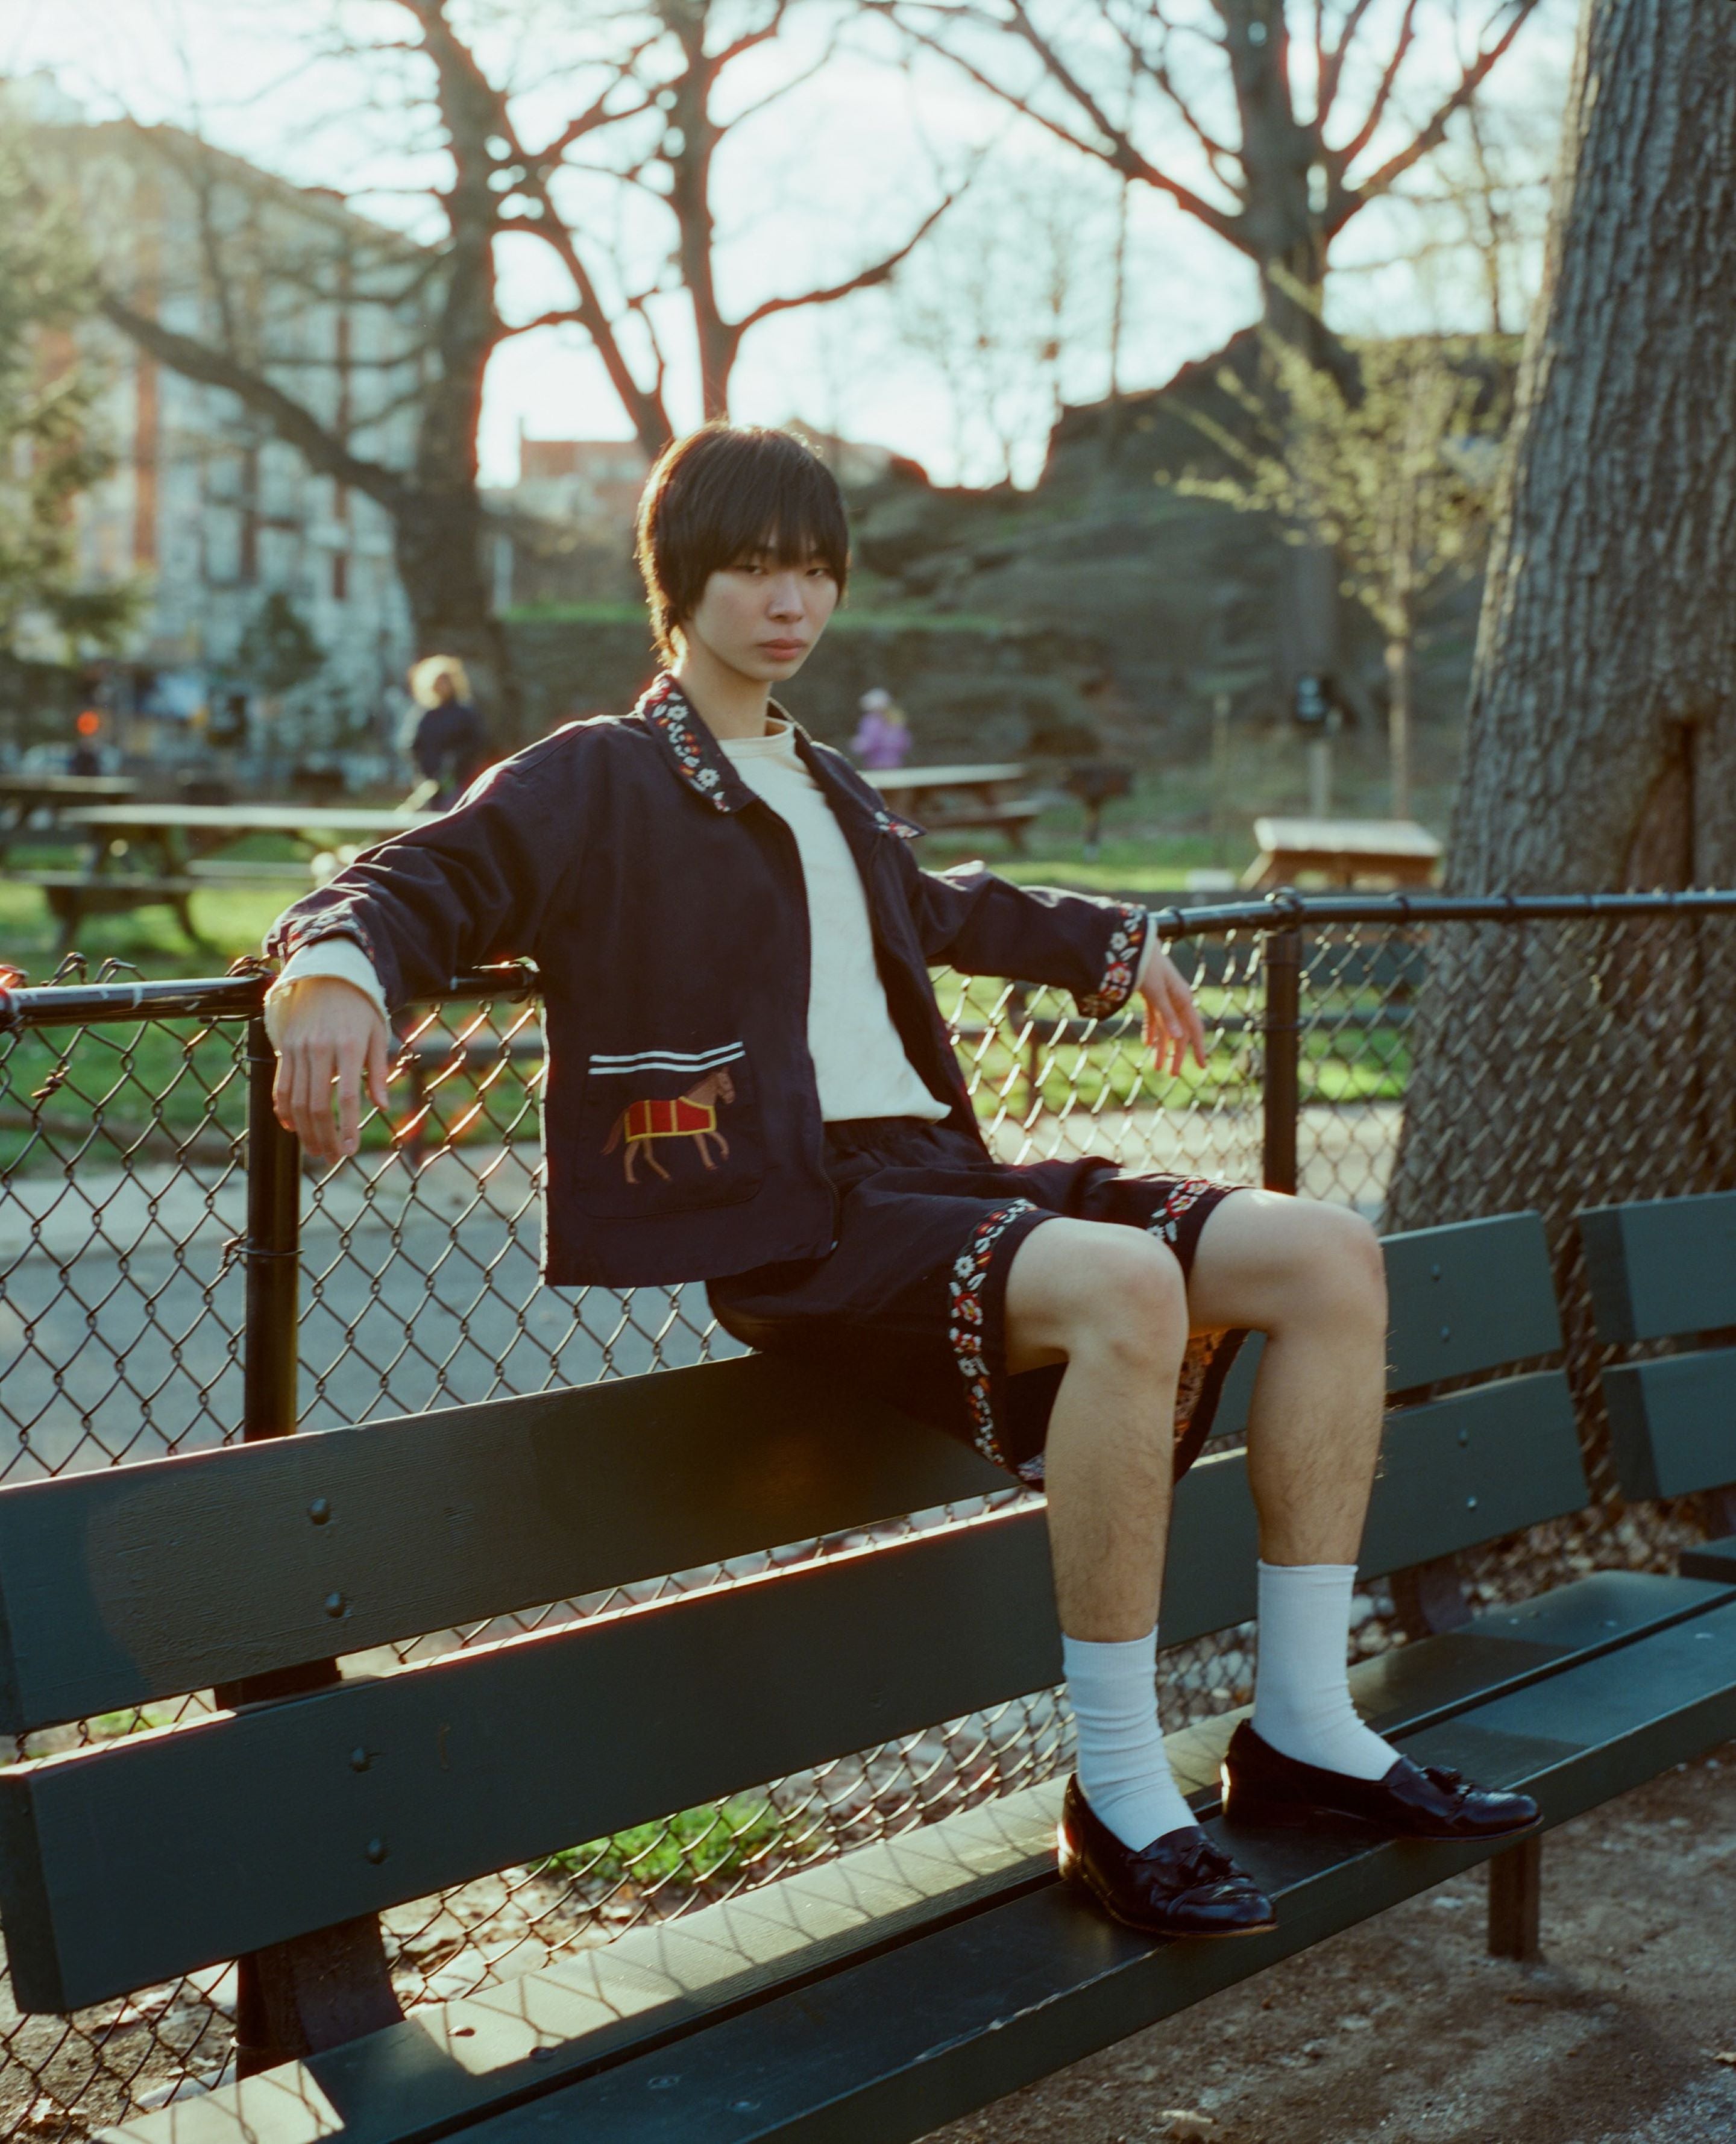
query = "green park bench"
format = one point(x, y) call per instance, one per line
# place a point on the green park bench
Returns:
point(1666, 1269)
point(871, 1997)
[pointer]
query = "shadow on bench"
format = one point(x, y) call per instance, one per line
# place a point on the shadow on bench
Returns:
point(875, 1997)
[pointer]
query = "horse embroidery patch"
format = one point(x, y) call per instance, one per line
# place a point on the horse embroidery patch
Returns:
point(693, 1115)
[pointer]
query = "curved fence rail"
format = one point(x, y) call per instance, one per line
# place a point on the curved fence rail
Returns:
point(173, 1274)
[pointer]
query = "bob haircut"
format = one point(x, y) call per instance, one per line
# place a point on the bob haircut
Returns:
point(722, 493)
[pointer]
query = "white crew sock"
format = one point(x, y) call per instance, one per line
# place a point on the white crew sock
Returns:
point(1302, 1705)
point(1123, 1771)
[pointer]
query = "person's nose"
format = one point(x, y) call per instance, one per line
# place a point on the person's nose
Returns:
point(786, 596)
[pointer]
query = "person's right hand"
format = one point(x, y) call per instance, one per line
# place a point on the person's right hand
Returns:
point(329, 1037)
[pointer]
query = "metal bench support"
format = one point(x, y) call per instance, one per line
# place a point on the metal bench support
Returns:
point(1515, 1902)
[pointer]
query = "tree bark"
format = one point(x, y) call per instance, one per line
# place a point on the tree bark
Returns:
point(1567, 1065)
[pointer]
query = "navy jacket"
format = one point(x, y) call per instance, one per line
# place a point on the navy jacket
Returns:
point(662, 901)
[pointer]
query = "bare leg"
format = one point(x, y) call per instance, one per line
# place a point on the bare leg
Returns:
point(1312, 1279)
point(1109, 1302)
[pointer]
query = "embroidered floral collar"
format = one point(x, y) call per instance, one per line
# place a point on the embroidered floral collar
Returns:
point(669, 715)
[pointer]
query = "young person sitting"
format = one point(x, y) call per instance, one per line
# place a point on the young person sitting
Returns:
point(750, 1082)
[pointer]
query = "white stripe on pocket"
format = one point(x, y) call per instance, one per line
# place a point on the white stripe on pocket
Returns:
point(667, 1060)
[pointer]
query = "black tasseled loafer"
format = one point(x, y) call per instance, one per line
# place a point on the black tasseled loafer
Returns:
point(1179, 1885)
point(1262, 1787)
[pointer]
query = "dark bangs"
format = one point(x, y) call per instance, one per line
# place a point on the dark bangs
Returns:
point(722, 493)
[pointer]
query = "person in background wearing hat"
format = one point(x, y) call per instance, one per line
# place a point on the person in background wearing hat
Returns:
point(451, 746)
point(883, 736)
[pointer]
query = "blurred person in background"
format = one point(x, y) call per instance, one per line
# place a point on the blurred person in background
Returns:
point(883, 736)
point(84, 757)
point(450, 743)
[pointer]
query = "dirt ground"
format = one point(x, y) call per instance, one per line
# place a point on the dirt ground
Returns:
point(1403, 2032)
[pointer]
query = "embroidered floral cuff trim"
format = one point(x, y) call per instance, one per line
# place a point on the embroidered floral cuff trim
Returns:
point(1121, 963)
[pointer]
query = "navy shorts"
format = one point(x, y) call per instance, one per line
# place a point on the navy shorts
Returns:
point(911, 1302)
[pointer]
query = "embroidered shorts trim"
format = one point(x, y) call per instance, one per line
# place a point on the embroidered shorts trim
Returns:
point(911, 1302)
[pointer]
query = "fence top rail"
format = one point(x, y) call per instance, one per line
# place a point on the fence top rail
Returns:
point(1288, 909)
point(239, 995)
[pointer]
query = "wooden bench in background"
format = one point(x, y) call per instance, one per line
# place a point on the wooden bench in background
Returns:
point(947, 799)
point(1343, 852)
point(870, 1998)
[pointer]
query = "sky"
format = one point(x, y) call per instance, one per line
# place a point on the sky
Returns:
point(831, 175)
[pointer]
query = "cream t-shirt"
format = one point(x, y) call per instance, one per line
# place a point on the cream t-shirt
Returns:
point(860, 1063)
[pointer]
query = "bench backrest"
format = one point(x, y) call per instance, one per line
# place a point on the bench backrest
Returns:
point(1665, 1268)
point(130, 1862)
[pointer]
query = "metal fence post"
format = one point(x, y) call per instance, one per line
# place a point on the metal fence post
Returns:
point(1280, 1083)
point(272, 1251)
point(316, 1990)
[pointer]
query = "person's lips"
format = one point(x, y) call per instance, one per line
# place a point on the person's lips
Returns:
point(781, 651)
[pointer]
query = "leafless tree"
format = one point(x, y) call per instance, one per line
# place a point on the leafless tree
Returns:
point(647, 114)
point(1293, 116)
point(1003, 304)
point(1601, 736)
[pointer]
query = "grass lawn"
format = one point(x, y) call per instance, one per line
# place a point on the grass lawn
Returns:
point(161, 1089)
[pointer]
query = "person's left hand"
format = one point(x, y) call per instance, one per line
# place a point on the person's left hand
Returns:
point(1172, 1024)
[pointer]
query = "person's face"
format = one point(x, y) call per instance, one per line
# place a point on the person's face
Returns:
point(444, 689)
point(762, 618)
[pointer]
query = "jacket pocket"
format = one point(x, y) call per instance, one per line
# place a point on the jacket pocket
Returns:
point(668, 1131)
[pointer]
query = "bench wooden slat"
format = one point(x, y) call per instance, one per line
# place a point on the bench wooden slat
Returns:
point(883, 2053)
point(147, 1856)
point(129, 1862)
point(1673, 1423)
point(1473, 1296)
point(145, 1581)
point(1022, 1950)
point(492, 1756)
point(1473, 1466)
point(1660, 1266)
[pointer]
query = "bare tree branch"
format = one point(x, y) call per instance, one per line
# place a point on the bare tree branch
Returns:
point(289, 420)
point(1156, 70)
point(746, 42)
point(1348, 154)
point(1113, 147)
point(865, 279)
point(1330, 60)
point(1433, 132)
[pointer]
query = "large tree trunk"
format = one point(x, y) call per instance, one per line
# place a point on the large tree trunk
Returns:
point(438, 536)
point(1565, 1065)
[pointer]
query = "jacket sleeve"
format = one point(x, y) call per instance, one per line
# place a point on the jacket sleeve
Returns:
point(985, 925)
point(475, 886)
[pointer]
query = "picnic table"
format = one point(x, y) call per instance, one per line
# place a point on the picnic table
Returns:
point(948, 799)
point(143, 853)
point(24, 796)
point(1346, 852)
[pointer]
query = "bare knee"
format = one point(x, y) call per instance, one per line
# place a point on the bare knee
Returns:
point(1097, 1290)
point(1336, 1270)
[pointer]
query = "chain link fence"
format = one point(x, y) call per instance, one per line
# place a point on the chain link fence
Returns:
point(1420, 1058)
